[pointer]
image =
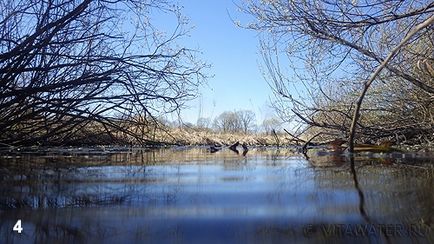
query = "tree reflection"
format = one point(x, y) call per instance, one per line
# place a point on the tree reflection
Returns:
point(191, 188)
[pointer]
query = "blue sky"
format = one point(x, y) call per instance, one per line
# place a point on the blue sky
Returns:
point(234, 56)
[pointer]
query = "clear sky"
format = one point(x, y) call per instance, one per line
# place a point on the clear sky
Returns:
point(234, 57)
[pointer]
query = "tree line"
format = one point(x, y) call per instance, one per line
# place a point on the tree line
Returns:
point(239, 121)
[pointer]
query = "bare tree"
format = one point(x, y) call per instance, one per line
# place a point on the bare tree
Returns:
point(374, 75)
point(333, 48)
point(228, 122)
point(271, 124)
point(238, 121)
point(247, 119)
point(203, 123)
point(71, 66)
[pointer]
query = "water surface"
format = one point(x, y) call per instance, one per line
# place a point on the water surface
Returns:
point(189, 195)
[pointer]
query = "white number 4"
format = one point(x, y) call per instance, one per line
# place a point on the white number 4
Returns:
point(17, 227)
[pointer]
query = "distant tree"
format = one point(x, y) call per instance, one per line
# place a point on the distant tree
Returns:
point(66, 66)
point(238, 121)
point(271, 124)
point(227, 122)
point(203, 123)
point(247, 119)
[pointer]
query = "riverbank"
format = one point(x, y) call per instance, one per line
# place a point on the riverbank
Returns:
point(169, 137)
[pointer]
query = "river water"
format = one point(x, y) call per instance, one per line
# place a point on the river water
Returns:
point(189, 195)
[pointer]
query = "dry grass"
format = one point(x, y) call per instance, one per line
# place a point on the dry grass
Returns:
point(186, 136)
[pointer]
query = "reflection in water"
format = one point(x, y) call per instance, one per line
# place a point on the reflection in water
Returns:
point(192, 195)
point(359, 192)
